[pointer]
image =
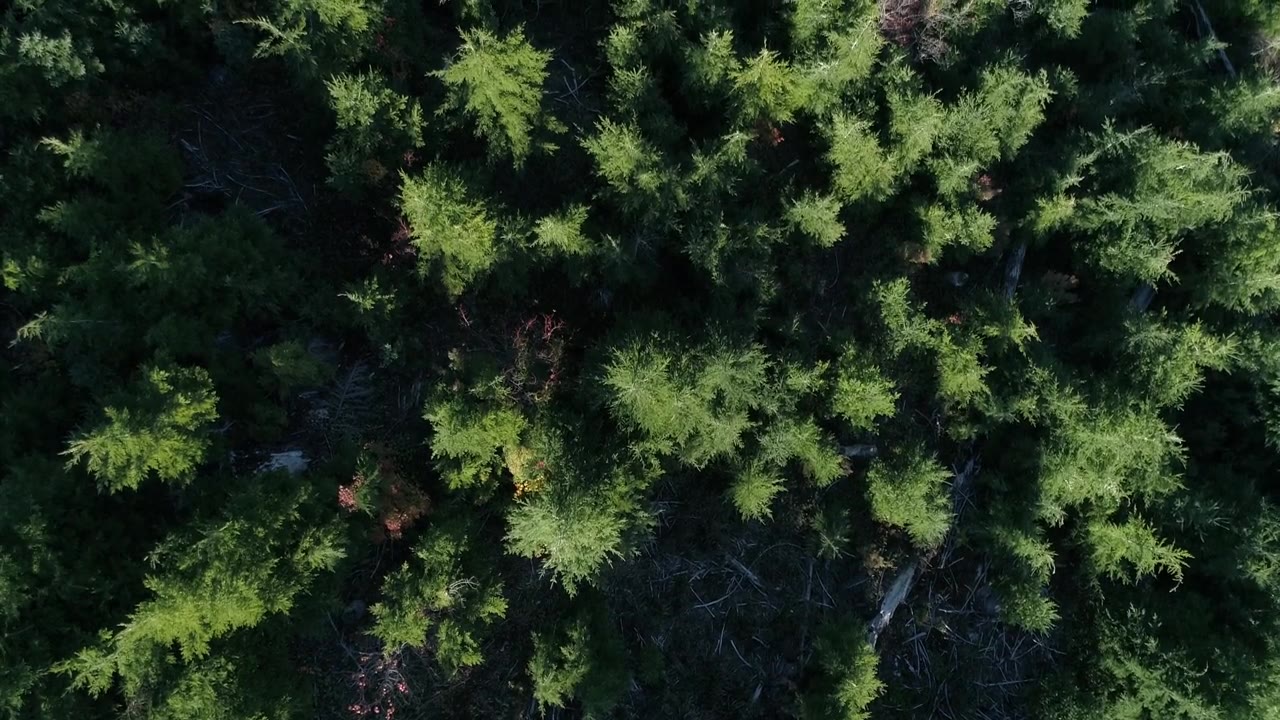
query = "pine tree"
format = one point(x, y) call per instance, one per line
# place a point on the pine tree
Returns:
point(695, 407)
point(472, 434)
point(446, 587)
point(845, 681)
point(817, 217)
point(906, 491)
point(766, 90)
point(577, 527)
point(222, 575)
point(861, 169)
point(376, 127)
point(638, 176)
point(1146, 195)
point(157, 425)
point(989, 124)
point(497, 82)
point(454, 234)
point(579, 658)
point(862, 394)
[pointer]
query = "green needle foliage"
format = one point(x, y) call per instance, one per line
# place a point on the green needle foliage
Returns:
point(497, 82)
point(157, 426)
point(454, 235)
point(639, 359)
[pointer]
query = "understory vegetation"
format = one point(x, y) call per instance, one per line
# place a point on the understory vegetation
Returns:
point(816, 359)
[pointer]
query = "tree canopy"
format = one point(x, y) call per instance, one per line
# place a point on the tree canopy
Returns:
point(639, 359)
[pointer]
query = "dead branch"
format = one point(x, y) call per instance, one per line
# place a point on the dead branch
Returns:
point(860, 451)
point(1206, 28)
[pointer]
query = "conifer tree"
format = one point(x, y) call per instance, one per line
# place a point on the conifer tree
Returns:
point(376, 127)
point(223, 575)
point(497, 82)
point(157, 425)
point(455, 236)
point(580, 658)
point(845, 682)
point(1146, 194)
point(906, 491)
point(445, 590)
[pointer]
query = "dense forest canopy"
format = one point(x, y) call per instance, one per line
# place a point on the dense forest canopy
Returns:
point(639, 359)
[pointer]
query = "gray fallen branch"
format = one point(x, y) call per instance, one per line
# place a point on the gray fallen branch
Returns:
point(1202, 18)
point(861, 451)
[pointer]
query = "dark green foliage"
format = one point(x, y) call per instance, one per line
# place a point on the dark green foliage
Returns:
point(645, 359)
point(444, 591)
point(221, 577)
point(376, 128)
point(579, 658)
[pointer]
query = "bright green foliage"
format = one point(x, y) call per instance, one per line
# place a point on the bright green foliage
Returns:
point(965, 226)
point(225, 575)
point(448, 587)
point(38, 62)
point(1130, 550)
point(1063, 16)
point(908, 490)
point(862, 394)
point(577, 528)
point(787, 439)
point(694, 406)
point(860, 168)
point(1147, 193)
point(1244, 108)
point(988, 125)
point(712, 65)
point(454, 235)
point(841, 46)
point(577, 536)
point(376, 127)
point(846, 682)
point(579, 659)
point(915, 117)
point(753, 491)
point(562, 234)
point(470, 436)
point(907, 325)
point(497, 82)
point(961, 374)
point(766, 89)
point(156, 425)
point(817, 217)
point(1171, 358)
point(1104, 455)
point(633, 168)
point(691, 381)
